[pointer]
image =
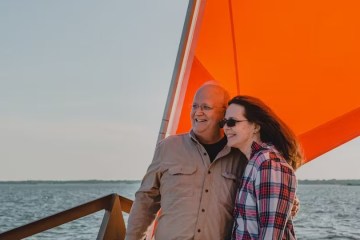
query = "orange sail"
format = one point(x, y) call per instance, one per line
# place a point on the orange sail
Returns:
point(300, 57)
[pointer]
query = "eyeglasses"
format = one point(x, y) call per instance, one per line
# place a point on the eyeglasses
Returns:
point(230, 122)
point(203, 107)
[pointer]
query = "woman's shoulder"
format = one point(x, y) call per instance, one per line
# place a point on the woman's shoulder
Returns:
point(268, 154)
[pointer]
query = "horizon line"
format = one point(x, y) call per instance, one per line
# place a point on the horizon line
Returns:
point(137, 180)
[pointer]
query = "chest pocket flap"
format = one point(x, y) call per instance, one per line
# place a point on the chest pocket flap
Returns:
point(182, 170)
point(229, 175)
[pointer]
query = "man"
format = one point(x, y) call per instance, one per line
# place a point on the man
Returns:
point(193, 178)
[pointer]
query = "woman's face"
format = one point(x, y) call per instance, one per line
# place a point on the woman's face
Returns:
point(243, 133)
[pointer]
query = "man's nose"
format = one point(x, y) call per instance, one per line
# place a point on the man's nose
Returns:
point(199, 111)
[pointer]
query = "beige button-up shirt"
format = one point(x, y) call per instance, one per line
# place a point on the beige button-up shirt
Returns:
point(196, 197)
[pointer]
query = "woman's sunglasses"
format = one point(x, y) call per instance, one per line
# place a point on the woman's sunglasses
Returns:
point(230, 122)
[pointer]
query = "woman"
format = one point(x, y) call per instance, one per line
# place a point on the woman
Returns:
point(265, 198)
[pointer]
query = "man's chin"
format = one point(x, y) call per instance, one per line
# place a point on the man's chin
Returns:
point(199, 130)
point(201, 133)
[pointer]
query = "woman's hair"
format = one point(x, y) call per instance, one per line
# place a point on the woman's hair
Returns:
point(272, 129)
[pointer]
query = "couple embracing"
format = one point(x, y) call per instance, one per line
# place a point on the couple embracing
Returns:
point(231, 177)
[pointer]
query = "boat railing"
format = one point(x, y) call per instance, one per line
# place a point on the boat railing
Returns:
point(112, 226)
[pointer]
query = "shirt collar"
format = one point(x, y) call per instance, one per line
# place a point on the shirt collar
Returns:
point(223, 152)
point(255, 148)
point(193, 137)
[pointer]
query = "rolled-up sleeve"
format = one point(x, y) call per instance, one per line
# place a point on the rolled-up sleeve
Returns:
point(275, 188)
point(147, 200)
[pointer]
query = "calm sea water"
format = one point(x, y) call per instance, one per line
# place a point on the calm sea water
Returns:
point(327, 211)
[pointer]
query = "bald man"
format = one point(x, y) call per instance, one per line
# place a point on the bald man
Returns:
point(193, 178)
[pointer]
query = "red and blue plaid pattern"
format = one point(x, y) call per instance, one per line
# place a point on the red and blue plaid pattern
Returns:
point(264, 201)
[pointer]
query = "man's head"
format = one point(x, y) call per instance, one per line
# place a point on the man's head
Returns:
point(208, 109)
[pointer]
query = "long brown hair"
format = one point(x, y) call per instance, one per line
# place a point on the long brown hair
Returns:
point(272, 129)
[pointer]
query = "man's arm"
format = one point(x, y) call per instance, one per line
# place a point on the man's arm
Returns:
point(147, 201)
point(275, 188)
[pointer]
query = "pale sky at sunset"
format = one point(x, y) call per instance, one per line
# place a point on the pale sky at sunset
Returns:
point(83, 86)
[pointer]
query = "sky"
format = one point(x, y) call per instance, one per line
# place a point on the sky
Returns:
point(83, 86)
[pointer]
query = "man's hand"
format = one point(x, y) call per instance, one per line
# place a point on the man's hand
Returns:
point(296, 207)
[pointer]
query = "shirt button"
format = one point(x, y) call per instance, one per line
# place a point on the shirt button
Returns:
point(199, 230)
point(206, 190)
point(209, 172)
point(203, 210)
point(205, 153)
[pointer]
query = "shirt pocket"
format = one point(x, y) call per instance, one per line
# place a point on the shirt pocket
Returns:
point(231, 183)
point(182, 170)
point(227, 189)
point(179, 181)
point(229, 176)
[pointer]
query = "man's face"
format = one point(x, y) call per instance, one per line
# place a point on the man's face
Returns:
point(208, 110)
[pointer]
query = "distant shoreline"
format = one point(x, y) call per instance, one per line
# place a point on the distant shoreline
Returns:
point(69, 181)
point(348, 182)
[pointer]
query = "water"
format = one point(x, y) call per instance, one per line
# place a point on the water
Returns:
point(24, 203)
point(327, 211)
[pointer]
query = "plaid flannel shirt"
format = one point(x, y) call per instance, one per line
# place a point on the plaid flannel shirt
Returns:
point(264, 201)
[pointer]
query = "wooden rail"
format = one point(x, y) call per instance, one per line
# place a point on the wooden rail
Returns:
point(112, 226)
